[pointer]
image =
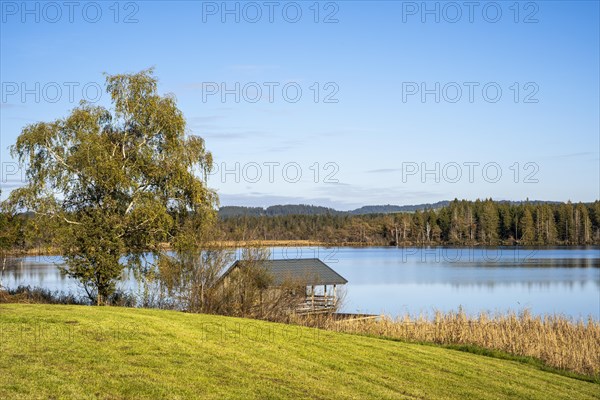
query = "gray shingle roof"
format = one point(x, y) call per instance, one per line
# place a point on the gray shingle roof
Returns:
point(309, 271)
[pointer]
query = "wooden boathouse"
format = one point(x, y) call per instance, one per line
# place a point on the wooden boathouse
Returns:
point(320, 282)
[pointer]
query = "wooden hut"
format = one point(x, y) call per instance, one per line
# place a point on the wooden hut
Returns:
point(320, 282)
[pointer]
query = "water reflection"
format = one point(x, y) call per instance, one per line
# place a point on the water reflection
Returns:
point(396, 281)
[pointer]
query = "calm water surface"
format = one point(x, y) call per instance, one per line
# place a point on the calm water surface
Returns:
point(396, 280)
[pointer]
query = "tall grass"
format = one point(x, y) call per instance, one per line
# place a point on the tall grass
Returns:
point(557, 341)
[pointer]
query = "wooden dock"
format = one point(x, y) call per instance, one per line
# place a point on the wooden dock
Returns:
point(317, 304)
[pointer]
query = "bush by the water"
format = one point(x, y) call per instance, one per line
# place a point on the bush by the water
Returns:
point(36, 295)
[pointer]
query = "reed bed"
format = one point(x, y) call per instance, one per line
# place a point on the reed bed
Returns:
point(557, 341)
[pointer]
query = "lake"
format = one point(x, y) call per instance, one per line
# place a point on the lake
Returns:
point(395, 281)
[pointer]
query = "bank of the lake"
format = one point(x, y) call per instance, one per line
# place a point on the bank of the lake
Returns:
point(395, 281)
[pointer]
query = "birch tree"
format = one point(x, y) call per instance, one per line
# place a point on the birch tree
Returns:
point(119, 180)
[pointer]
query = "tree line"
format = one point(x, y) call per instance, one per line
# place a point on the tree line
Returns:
point(462, 222)
point(307, 209)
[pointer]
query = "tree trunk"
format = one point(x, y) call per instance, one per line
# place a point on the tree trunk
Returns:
point(2, 271)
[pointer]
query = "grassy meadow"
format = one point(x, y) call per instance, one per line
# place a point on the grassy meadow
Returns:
point(552, 341)
point(55, 351)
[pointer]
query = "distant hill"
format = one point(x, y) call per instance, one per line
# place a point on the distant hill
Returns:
point(386, 209)
point(300, 209)
point(235, 211)
point(305, 209)
point(532, 202)
point(272, 211)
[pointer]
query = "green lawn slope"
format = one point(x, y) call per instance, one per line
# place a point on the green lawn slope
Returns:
point(52, 351)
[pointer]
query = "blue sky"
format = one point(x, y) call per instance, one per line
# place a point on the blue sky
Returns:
point(360, 121)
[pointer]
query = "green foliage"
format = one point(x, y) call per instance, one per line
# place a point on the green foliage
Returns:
point(6, 236)
point(114, 182)
point(459, 223)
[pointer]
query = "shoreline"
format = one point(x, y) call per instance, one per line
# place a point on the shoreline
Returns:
point(232, 244)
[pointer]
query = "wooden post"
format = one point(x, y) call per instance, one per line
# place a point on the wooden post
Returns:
point(325, 296)
point(334, 294)
point(313, 296)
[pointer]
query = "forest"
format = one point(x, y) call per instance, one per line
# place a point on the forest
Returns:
point(461, 222)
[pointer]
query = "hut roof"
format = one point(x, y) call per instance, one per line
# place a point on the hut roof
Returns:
point(309, 271)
